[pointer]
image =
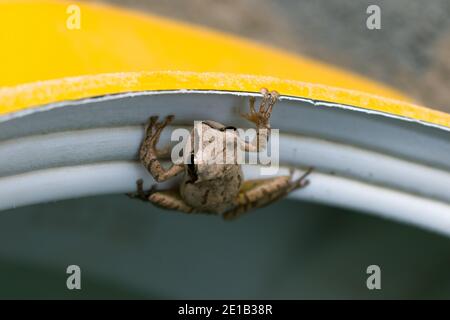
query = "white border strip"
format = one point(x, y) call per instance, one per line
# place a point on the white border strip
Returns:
point(119, 177)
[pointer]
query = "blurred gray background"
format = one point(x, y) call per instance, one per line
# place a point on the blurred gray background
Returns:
point(411, 52)
point(129, 249)
point(289, 250)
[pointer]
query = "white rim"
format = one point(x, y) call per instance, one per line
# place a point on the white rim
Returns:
point(387, 166)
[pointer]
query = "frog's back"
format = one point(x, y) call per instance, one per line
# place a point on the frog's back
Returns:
point(215, 194)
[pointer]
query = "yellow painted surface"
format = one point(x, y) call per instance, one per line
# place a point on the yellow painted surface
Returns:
point(39, 53)
point(28, 95)
point(37, 45)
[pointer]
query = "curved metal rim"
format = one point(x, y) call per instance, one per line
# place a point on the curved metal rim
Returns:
point(120, 177)
point(361, 170)
point(71, 148)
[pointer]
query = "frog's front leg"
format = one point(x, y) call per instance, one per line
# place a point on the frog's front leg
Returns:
point(261, 119)
point(259, 193)
point(149, 154)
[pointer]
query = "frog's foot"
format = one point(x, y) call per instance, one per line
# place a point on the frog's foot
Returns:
point(300, 182)
point(140, 193)
point(262, 116)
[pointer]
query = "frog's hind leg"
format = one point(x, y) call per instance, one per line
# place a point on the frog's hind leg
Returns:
point(166, 199)
point(262, 192)
point(171, 200)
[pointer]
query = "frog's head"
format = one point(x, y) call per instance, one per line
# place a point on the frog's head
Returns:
point(217, 125)
point(210, 145)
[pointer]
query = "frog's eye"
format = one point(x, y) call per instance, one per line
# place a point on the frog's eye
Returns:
point(228, 127)
point(214, 124)
point(192, 169)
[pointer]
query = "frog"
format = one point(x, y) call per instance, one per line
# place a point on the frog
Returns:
point(215, 188)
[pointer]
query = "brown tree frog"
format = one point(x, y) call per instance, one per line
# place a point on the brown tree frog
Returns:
point(215, 188)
